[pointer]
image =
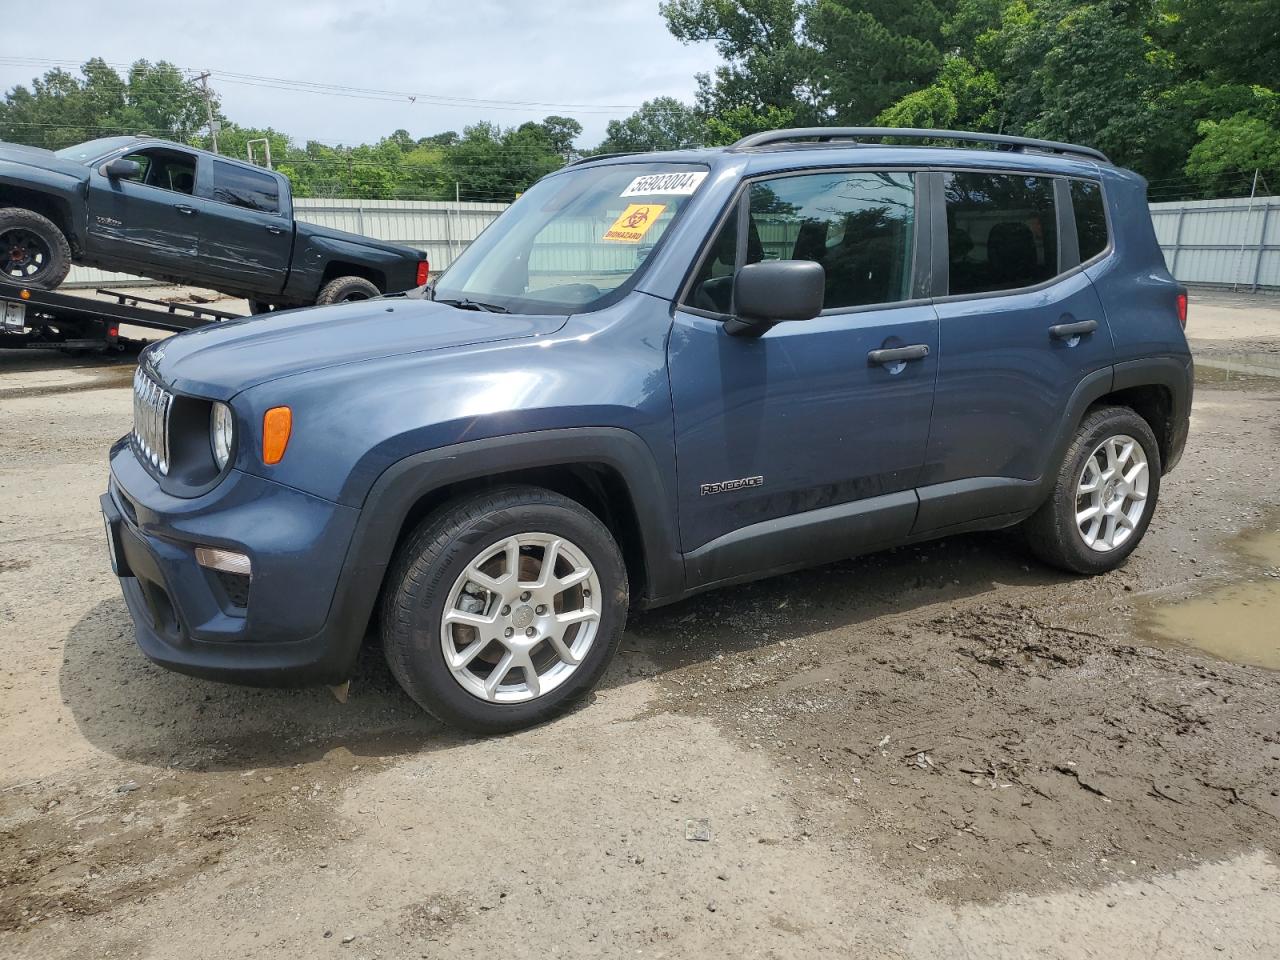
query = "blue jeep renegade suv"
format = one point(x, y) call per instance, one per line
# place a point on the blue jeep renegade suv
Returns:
point(653, 375)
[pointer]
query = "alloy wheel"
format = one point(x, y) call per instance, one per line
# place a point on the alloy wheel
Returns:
point(1111, 493)
point(521, 618)
point(23, 254)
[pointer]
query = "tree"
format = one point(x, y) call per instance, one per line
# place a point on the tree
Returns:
point(663, 123)
point(490, 163)
point(1224, 41)
point(767, 64)
point(560, 133)
point(1231, 150)
point(869, 53)
point(60, 109)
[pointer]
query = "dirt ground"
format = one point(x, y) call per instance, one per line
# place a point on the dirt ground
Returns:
point(944, 751)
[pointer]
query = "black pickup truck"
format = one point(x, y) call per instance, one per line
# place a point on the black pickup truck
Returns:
point(172, 212)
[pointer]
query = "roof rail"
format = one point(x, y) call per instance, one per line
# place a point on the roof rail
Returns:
point(593, 157)
point(1000, 140)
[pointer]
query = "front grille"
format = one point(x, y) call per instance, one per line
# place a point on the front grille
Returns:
point(151, 405)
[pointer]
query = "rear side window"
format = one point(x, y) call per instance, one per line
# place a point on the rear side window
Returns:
point(1002, 229)
point(240, 187)
point(859, 225)
point(1091, 218)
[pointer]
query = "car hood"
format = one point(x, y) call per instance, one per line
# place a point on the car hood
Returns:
point(44, 159)
point(222, 359)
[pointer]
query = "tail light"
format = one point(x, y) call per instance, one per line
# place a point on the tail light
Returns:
point(1182, 308)
point(424, 271)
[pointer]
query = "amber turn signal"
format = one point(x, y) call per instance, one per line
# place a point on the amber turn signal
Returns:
point(277, 424)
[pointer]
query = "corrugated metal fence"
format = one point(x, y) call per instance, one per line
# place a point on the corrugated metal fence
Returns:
point(1222, 242)
point(441, 229)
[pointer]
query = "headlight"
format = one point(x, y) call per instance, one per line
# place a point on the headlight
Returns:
point(222, 432)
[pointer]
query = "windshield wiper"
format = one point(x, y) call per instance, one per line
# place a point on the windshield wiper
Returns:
point(466, 304)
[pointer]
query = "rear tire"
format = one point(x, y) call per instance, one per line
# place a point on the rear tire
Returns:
point(34, 252)
point(469, 595)
point(345, 289)
point(1103, 497)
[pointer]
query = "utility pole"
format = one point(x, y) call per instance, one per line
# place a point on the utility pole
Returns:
point(208, 107)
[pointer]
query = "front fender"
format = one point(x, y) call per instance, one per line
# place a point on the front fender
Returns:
point(403, 484)
point(63, 190)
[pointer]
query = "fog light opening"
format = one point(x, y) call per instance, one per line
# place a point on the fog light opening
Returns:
point(228, 561)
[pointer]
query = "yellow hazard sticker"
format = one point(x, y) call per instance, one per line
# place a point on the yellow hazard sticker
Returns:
point(634, 222)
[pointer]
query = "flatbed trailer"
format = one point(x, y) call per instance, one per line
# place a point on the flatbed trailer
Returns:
point(30, 317)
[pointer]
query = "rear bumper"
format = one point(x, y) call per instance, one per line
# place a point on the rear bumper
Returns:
point(289, 632)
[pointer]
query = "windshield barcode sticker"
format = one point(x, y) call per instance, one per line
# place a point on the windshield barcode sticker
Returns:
point(668, 183)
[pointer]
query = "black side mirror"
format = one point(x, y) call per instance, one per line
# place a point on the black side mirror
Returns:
point(120, 169)
point(772, 291)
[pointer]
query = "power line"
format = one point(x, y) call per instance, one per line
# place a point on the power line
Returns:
point(368, 93)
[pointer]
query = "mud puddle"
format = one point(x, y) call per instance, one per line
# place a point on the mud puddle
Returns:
point(1239, 621)
point(1237, 368)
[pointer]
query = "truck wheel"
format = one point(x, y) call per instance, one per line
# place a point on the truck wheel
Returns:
point(504, 608)
point(347, 288)
point(1103, 497)
point(33, 251)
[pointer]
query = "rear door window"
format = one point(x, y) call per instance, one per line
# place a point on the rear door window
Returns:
point(1091, 218)
point(1002, 231)
point(242, 187)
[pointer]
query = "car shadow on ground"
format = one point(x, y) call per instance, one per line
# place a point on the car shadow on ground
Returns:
point(140, 713)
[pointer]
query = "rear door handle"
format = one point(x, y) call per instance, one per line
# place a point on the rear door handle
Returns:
point(1065, 331)
point(276, 230)
point(917, 351)
point(183, 209)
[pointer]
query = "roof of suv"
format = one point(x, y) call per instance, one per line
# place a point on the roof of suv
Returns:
point(838, 146)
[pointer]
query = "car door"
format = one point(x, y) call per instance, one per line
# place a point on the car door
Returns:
point(1020, 327)
point(148, 220)
point(796, 446)
point(246, 236)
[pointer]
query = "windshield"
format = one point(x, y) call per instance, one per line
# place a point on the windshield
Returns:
point(575, 241)
point(93, 149)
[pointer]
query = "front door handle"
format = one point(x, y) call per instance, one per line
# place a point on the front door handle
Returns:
point(183, 209)
point(276, 230)
point(1065, 331)
point(917, 351)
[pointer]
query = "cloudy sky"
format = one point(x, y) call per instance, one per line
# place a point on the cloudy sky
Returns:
point(607, 55)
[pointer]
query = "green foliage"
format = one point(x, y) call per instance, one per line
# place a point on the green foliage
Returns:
point(60, 109)
point(766, 62)
point(735, 123)
point(1183, 91)
point(869, 53)
point(1238, 145)
point(660, 124)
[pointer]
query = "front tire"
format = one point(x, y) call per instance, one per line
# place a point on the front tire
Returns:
point(504, 608)
point(34, 252)
point(1104, 495)
point(345, 289)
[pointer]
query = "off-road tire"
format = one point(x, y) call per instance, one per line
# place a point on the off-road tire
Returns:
point(435, 555)
point(347, 288)
point(58, 263)
point(1052, 532)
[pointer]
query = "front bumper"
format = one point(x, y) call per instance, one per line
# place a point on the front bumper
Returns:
point(291, 631)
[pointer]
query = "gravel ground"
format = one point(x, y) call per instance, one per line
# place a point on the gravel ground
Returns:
point(943, 751)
